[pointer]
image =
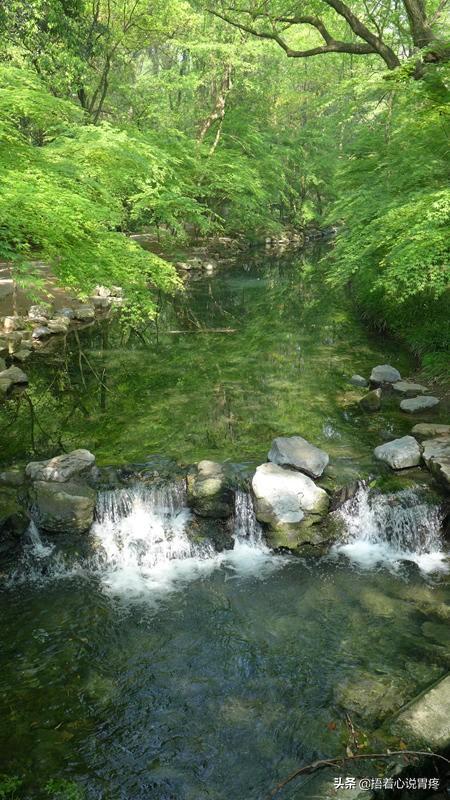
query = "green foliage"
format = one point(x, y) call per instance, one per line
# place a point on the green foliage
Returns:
point(60, 789)
point(395, 246)
point(65, 200)
point(8, 786)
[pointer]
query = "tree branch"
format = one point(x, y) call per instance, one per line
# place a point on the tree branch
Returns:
point(340, 762)
point(332, 46)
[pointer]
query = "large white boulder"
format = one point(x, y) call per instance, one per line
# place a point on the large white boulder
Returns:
point(289, 503)
point(296, 452)
point(400, 453)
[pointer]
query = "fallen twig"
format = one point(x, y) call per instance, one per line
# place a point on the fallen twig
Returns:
point(340, 762)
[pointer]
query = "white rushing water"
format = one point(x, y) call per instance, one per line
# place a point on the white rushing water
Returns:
point(143, 539)
point(391, 528)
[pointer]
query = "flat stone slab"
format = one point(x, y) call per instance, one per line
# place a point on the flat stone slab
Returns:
point(384, 373)
point(296, 452)
point(405, 387)
point(426, 720)
point(415, 404)
point(436, 454)
point(400, 453)
point(61, 468)
point(429, 429)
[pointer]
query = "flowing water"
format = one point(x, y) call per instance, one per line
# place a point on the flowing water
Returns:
point(140, 664)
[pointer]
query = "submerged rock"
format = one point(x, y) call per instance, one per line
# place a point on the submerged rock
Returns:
point(358, 380)
point(404, 387)
point(400, 453)
point(289, 503)
point(415, 404)
point(370, 697)
point(436, 454)
point(426, 721)
point(384, 373)
point(296, 452)
point(61, 468)
point(371, 401)
point(63, 507)
point(207, 492)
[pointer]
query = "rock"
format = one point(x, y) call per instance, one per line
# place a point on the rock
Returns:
point(384, 373)
point(117, 301)
point(2, 364)
point(370, 697)
point(5, 385)
point(358, 380)
point(436, 454)
point(68, 313)
point(63, 507)
point(14, 375)
point(61, 468)
point(100, 301)
point(12, 532)
point(208, 494)
point(102, 291)
point(343, 494)
point(14, 341)
point(430, 429)
point(404, 387)
point(289, 502)
point(116, 291)
point(42, 332)
point(3, 347)
point(12, 477)
point(426, 720)
point(22, 355)
point(371, 401)
point(415, 404)
point(59, 324)
point(400, 453)
point(12, 324)
point(84, 313)
point(296, 452)
point(39, 314)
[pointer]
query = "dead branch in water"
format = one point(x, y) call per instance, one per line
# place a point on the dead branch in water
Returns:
point(341, 762)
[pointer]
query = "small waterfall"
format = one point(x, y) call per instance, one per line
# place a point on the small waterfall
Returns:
point(392, 528)
point(247, 529)
point(142, 540)
point(142, 527)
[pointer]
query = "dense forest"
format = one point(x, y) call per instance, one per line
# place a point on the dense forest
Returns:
point(192, 119)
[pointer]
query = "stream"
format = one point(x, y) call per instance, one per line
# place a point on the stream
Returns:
point(142, 664)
